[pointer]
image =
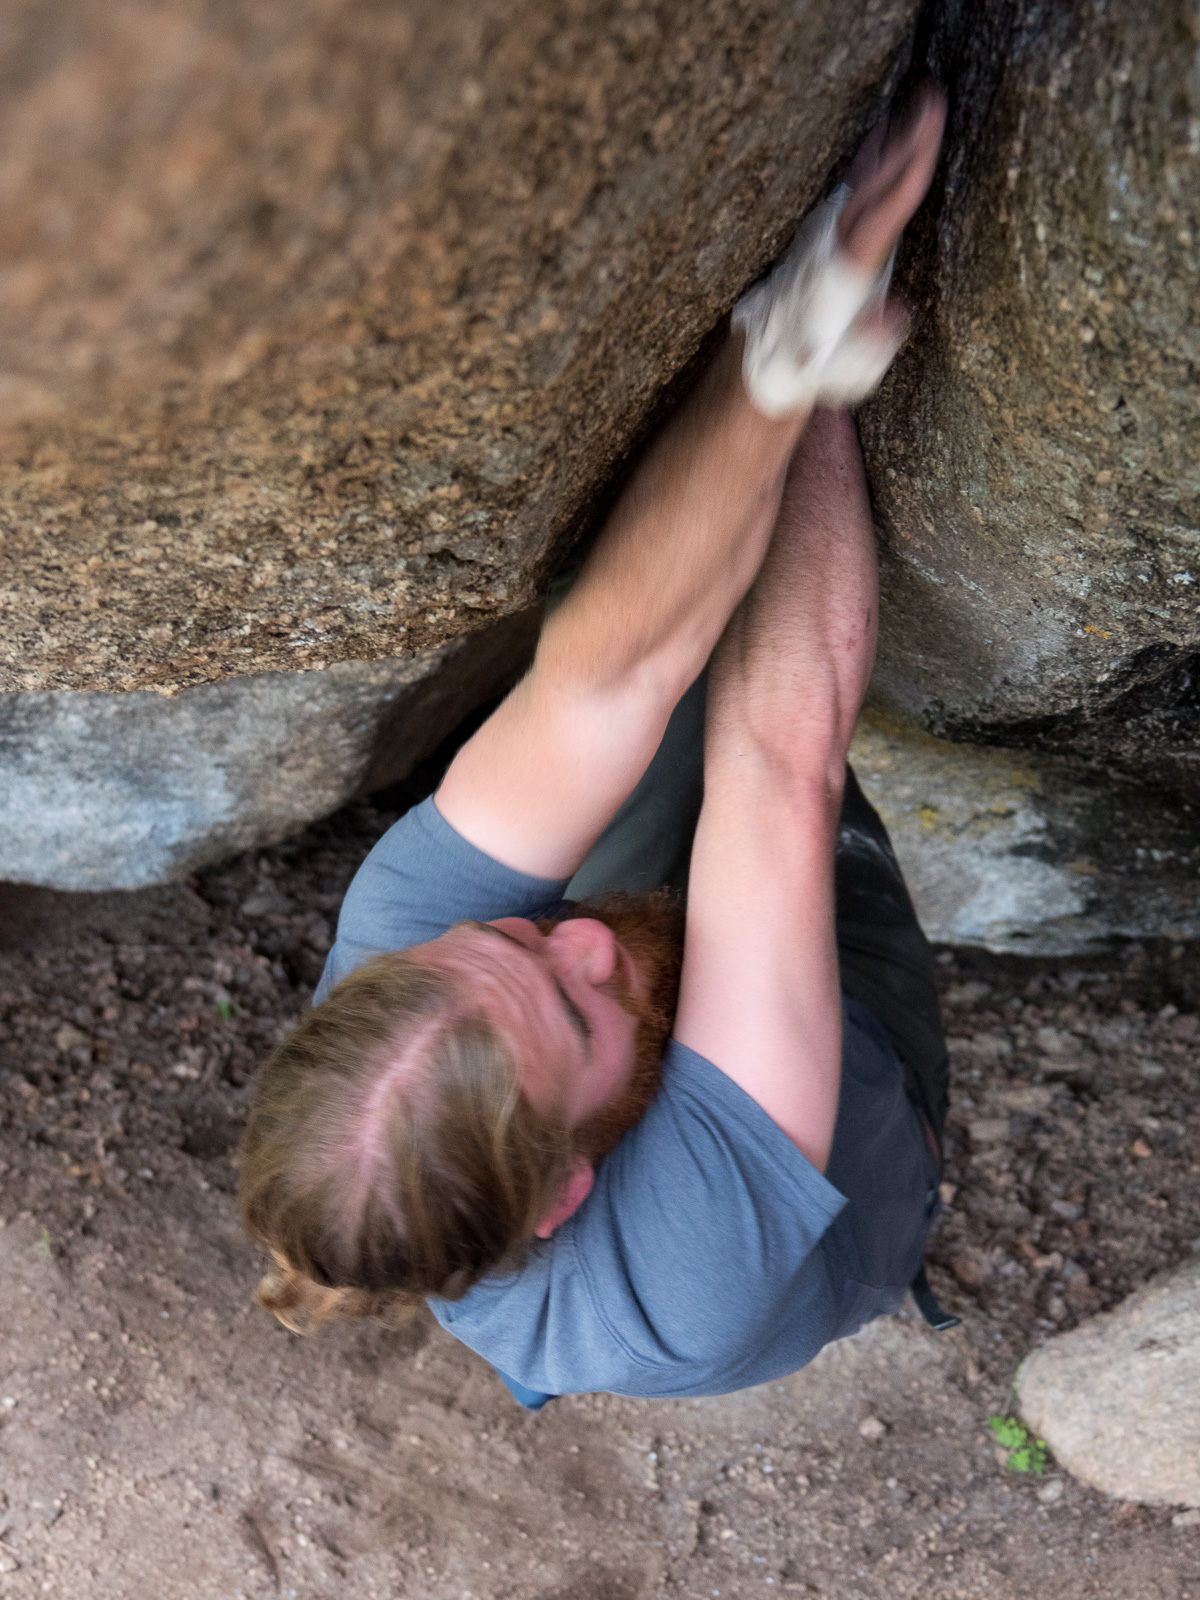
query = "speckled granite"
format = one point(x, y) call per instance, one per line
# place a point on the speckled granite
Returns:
point(1029, 854)
point(1035, 453)
point(324, 323)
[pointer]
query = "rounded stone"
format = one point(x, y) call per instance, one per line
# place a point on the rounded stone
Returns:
point(1115, 1399)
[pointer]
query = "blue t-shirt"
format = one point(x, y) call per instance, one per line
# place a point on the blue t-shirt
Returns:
point(710, 1255)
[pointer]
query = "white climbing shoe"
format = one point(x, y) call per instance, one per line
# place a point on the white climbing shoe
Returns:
point(811, 336)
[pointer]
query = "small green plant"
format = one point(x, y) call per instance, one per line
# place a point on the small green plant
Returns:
point(1026, 1454)
point(43, 1246)
point(227, 1009)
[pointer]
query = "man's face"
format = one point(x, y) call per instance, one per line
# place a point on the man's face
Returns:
point(587, 1005)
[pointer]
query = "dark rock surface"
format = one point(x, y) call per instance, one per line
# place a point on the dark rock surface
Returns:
point(1035, 454)
point(323, 323)
point(1026, 853)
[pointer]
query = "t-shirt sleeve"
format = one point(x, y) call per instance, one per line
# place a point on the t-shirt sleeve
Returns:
point(420, 879)
point(692, 1268)
point(712, 1217)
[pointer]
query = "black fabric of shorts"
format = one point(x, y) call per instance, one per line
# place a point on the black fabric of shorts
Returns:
point(886, 962)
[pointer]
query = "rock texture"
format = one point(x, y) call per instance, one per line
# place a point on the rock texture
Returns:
point(1026, 853)
point(1116, 1398)
point(1035, 455)
point(323, 324)
point(117, 791)
point(327, 325)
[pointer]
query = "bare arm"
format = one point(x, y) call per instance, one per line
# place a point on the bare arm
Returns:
point(541, 780)
point(760, 994)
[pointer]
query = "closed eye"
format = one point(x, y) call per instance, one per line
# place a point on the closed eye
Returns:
point(578, 1021)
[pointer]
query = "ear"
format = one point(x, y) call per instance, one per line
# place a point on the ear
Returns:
point(575, 1190)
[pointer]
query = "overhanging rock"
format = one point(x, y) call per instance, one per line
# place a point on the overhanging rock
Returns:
point(116, 791)
point(1035, 453)
point(1028, 854)
point(324, 327)
point(324, 333)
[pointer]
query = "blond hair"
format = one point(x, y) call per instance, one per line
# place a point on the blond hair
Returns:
point(390, 1153)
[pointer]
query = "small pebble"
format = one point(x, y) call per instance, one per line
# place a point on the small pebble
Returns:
point(1051, 1493)
point(1186, 1519)
point(872, 1428)
point(969, 1269)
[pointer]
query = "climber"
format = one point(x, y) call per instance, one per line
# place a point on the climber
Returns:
point(611, 1156)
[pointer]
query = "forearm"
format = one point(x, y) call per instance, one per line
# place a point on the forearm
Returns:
point(541, 780)
point(691, 530)
point(680, 549)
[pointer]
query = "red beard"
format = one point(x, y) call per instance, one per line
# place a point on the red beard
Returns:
point(650, 928)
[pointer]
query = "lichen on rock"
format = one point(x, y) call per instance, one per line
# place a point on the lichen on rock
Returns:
point(1025, 853)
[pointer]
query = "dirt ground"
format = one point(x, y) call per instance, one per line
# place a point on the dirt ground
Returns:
point(160, 1438)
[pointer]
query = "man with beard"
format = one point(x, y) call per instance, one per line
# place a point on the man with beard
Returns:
point(611, 1154)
